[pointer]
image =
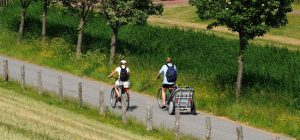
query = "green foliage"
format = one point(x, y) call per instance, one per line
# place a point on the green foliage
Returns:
point(122, 12)
point(249, 17)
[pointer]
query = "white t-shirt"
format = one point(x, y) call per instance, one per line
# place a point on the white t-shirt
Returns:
point(118, 69)
point(163, 70)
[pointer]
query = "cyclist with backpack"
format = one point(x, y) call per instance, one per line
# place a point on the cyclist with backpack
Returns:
point(123, 79)
point(170, 76)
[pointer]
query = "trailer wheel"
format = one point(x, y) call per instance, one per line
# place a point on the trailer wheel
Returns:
point(193, 109)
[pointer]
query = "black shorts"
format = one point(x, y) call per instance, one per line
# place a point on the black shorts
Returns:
point(168, 86)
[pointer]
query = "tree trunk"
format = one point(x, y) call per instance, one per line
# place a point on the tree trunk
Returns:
point(44, 20)
point(243, 43)
point(113, 46)
point(80, 35)
point(22, 21)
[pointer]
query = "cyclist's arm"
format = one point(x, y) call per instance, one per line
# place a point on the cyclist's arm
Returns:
point(160, 72)
point(111, 74)
point(158, 75)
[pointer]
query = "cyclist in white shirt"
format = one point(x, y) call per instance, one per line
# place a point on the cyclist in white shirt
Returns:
point(167, 83)
point(123, 78)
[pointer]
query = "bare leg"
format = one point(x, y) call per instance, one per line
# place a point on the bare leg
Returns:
point(163, 93)
point(117, 91)
point(127, 90)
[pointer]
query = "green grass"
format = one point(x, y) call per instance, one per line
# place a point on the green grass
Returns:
point(296, 6)
point(270, 92)
point(291, 30)
point(188, 14)
point(25, 118)
point(26, 114)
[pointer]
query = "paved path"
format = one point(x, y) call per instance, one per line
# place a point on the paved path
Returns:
point(222, 129)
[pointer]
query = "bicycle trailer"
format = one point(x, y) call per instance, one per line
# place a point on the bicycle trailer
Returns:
point(183, 99)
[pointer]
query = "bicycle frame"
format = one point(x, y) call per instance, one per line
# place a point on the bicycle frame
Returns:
point(170, 94)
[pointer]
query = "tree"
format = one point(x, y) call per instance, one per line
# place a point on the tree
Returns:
point(122, 12)
point(82, 8)
point(24, 6)
point(46, 4)
point(250, 18)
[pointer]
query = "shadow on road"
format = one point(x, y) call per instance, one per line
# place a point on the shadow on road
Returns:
point(130, 108)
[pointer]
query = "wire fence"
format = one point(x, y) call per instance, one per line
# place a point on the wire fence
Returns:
point(73, 87)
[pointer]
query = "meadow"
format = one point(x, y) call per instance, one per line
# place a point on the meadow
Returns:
point(270, 92)
point(187, 14)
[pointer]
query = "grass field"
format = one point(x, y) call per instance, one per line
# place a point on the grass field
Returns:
point(24, 118)
point(27, 115)
point(186, 15)
point(270, 96)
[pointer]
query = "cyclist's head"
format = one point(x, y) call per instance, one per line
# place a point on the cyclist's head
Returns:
point(168, 60)
point(123, 62)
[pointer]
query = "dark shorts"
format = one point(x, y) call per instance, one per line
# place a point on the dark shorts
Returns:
point(168, 86)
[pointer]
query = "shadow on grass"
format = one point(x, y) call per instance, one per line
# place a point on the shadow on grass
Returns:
point(33, 26)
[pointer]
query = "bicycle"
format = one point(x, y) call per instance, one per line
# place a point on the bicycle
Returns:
point(124, 100)
point(178, 97)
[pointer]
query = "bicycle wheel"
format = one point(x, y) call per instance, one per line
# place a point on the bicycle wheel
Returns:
point(113, 98)
point(171, 108)
point(159, 98)
point(125, 100)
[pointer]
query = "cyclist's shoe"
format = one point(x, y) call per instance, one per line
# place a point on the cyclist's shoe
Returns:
point(163, 106)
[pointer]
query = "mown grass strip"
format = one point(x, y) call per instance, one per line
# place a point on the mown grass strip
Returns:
point(136, 128)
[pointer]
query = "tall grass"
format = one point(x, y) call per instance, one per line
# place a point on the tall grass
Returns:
point(271, 83)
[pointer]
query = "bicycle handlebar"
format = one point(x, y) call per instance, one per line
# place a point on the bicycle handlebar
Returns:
point(116, 78)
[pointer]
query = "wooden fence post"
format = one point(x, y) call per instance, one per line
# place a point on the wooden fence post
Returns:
point(5, 71)
point(80, 93)
point(23, 76)
point(60, 88)
point(239, 131)
point(177, 122)
point(40, 84)
point(208, 128)
point(149, 118)
point(124, 110)
point(101, 102)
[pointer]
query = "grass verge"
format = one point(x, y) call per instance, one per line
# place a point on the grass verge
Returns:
point(28, 115)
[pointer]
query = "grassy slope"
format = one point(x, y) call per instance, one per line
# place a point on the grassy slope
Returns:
point(207, 63)
point(22, 117)
point(28, 115)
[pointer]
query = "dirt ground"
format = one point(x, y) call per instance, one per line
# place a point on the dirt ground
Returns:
point(173, 2)
point(296, 12)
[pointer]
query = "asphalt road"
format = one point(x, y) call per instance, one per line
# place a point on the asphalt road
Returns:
point(222, 129)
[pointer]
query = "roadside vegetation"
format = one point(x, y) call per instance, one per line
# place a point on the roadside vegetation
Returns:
point(28, 115)
point(270, 92)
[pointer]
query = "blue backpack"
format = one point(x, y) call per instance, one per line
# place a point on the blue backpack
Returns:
point(171, 74)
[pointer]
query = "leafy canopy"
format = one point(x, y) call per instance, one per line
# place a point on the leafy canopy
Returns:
point(122, 12)
point(250, 17)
